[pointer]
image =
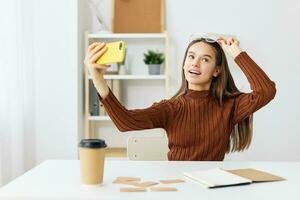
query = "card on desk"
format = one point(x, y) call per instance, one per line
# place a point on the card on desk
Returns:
point(256, 175)
point(217, 177)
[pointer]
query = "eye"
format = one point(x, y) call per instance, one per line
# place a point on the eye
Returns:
point(205, 59)
point(191, 56)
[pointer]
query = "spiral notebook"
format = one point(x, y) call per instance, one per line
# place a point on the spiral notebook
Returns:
point(218, 177)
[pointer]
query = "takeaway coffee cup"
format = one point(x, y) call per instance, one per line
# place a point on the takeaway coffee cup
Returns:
point(92, 154)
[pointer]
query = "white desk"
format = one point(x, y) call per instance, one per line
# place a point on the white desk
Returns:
point(60, 179)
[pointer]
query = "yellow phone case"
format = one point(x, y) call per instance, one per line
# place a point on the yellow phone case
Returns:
point(115, 53)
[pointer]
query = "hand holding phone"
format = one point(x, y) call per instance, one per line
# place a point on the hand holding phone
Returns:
point(115, 53)
point(93, 52)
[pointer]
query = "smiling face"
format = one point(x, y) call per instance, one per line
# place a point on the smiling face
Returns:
point(200, 66)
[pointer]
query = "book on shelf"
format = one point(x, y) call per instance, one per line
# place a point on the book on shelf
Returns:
point(217, 177)
point(96, 106)
point(94, 102)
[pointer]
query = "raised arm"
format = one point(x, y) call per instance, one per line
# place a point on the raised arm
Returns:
point(155, 116)
point(263, 89)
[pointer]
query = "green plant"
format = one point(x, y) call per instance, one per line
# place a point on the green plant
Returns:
point(152, 57)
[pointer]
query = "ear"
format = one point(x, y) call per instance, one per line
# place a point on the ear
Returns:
point(217, 71)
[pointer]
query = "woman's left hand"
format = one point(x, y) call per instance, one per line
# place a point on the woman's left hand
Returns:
point(230, 45)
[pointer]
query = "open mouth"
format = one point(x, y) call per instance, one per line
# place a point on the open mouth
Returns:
point(194, 72)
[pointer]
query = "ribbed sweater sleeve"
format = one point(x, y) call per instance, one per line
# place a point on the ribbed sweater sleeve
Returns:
point(155, 116)
point(263, 89)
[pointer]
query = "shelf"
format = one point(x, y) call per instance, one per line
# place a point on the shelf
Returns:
point(99, 118)
point(135, 77)
point(128, 35)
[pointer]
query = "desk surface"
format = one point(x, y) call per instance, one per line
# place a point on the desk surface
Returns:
point(60, 179)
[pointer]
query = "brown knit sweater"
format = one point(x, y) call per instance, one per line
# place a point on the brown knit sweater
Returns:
point(198, 128)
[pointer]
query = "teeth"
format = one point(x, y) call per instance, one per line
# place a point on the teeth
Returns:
point(194, 72)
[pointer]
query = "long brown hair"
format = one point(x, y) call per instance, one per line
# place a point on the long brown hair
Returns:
point(223, 87)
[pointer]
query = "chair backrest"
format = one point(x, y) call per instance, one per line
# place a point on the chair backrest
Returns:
point(147, 148)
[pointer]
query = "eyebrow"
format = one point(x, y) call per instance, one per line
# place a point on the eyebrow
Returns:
point(202, 55)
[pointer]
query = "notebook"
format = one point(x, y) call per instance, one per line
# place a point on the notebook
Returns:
point(217, 177)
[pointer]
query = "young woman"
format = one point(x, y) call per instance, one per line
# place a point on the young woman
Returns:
point(209, 116)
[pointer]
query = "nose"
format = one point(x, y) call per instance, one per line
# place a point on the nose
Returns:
point(195, 63)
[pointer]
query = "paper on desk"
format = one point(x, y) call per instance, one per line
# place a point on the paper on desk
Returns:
point(216, 178)
point(219, 177)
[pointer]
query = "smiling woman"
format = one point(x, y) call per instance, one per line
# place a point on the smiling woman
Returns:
point(208, 116)
point(205, 68)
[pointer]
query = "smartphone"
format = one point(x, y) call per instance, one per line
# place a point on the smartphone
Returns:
point(115, 53)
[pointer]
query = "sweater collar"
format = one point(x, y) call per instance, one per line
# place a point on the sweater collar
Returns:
point(197, 94)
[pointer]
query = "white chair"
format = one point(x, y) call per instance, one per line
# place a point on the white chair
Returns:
point(147, 148)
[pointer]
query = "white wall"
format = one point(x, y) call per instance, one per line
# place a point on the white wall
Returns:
point(55, 39)
point(269, 31)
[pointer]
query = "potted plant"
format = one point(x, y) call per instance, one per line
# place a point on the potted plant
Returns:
point(154, 60)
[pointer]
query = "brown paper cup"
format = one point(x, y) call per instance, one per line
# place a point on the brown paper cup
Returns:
point(92, 156)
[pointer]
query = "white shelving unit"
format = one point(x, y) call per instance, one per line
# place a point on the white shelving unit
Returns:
point(127, 35)
point(99, 118)
point(137, 44)
point(135, 77)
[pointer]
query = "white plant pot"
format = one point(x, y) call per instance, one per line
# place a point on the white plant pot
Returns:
point(154, 69)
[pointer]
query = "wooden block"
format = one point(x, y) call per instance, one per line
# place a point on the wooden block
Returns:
point(163, 189)
point(145, 184)
point(171, 181)
point(126, 180)
point(129, 189)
